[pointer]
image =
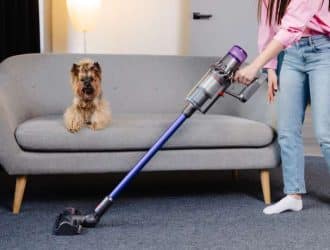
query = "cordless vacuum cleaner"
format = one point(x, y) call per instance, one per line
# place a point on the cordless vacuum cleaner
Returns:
point(213, 85)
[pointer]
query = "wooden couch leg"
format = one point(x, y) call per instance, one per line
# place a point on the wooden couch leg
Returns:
point(265, 184)
point(19, 193)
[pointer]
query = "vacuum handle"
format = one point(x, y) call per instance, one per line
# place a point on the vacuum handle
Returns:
point(248, 91)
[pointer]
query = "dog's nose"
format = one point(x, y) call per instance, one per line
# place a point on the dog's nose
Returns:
point(88, 88)
point(87, 81)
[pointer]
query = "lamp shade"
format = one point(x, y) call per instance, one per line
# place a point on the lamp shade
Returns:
point(83, 13)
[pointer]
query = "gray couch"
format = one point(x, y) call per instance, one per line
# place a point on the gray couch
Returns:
point(146, 94)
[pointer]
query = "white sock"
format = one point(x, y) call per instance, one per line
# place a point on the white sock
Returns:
point(287, 203)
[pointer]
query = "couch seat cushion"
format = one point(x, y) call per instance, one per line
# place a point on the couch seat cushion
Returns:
point(139, 132)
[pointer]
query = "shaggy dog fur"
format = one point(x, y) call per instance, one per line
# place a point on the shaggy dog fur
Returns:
point(88, 108)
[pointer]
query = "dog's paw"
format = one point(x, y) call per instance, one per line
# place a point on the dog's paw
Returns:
point(73, 120)
point(100, 120)
point(73, 130)
point(96, 126)
point(74, 126)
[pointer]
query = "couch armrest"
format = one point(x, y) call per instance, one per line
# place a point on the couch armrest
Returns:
point(13, 111)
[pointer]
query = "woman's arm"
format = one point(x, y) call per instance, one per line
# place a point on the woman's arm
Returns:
point(293, 25)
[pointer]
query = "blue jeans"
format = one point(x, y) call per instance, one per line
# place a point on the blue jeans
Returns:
point(304, 75)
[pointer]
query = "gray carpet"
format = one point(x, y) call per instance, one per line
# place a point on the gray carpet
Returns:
point(205, 211)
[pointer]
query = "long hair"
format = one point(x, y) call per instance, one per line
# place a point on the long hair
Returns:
point(275, 10)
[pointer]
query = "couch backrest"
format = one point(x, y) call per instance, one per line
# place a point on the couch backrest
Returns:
point(132, 83)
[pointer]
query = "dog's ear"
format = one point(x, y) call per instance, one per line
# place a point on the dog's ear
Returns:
point(97, 67)
point(75, 69)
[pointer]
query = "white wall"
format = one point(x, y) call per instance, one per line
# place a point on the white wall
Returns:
point(229, 25)
point(127, 27)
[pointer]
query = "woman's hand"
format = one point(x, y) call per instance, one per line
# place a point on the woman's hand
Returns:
point(247, 74)
point(272, 85)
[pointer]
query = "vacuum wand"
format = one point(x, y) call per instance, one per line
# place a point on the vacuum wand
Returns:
point(213, 85)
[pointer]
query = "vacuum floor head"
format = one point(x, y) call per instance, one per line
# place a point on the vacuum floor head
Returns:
point(71, 222)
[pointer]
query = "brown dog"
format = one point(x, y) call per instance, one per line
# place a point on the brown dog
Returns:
point(88, 107)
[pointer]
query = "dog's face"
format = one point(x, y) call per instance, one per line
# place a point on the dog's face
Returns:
point(86, 80)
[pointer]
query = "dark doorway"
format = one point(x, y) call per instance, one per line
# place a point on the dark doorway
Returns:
point(19, 27)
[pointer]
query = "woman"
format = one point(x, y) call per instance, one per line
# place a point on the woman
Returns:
point(300, 28)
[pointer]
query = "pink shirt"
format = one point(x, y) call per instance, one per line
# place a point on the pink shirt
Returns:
point(302, 18)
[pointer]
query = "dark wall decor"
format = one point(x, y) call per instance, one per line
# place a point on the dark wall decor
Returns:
point(19, 27)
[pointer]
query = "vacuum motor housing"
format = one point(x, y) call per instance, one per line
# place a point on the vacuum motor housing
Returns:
point(215, 81)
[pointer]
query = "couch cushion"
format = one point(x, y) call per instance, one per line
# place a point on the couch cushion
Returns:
point(139, 132)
